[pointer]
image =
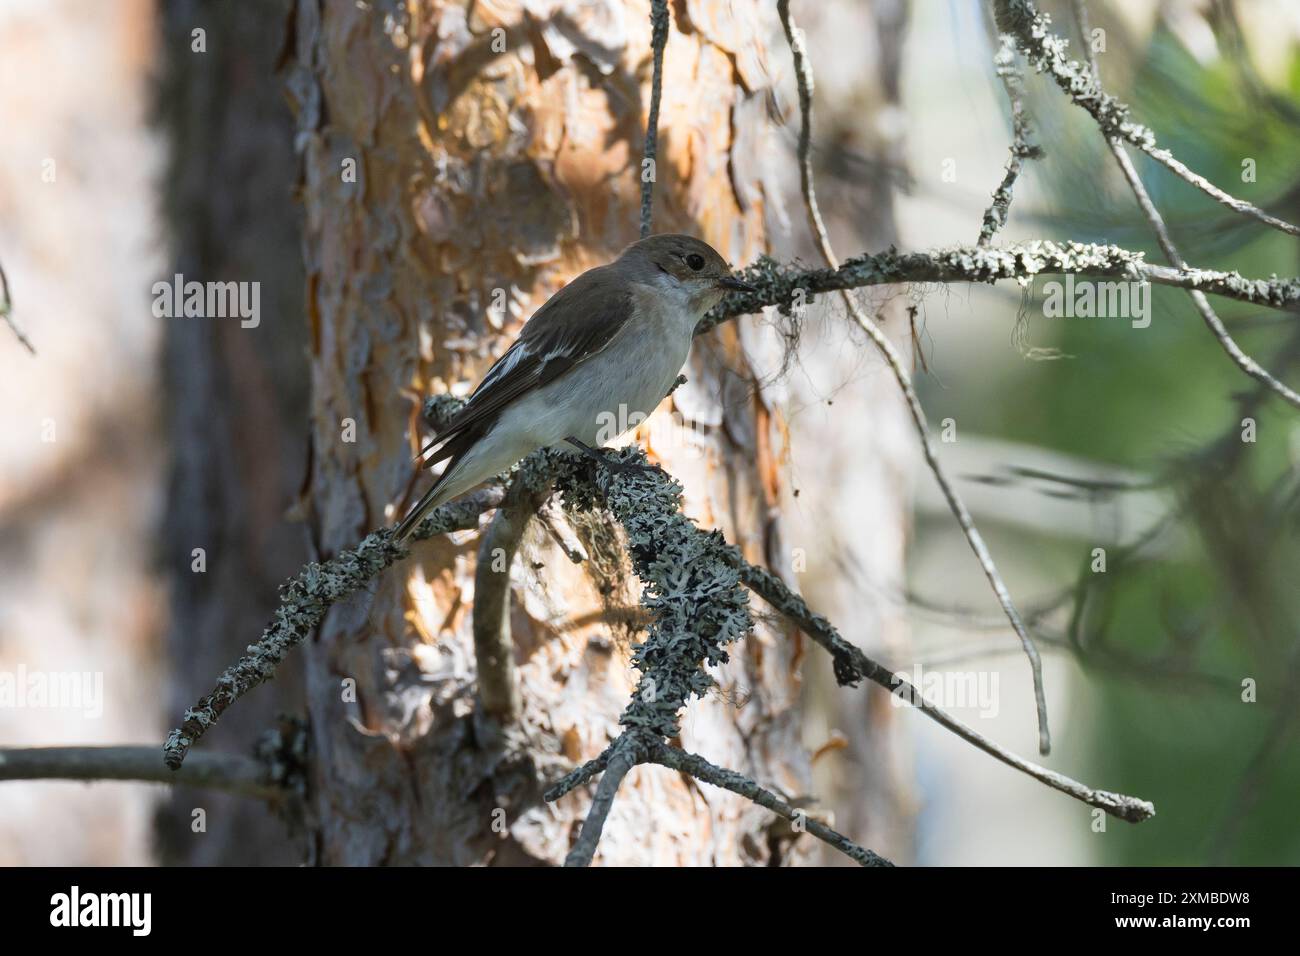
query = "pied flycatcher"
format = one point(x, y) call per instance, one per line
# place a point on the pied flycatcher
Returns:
point(609, 345)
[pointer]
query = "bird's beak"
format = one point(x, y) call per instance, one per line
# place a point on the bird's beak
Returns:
point(735, 285)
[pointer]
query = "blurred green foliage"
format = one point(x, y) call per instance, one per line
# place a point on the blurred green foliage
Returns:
point(1167, 400)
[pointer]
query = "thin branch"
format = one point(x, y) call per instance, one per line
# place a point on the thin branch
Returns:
point(1022, 145)
point(803, 73)
point(7, 312)
point(230, 772)
point(1047, 52)
point(576, 777)
point(627, 752)
point(805, 84)
point(852, 665)
point(494, 649)
point(702, 770)
point(781, 285)
point(1157, 222)
point(658, 38)
point(304, 600)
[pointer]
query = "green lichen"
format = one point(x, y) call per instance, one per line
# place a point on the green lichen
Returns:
point(694, 596)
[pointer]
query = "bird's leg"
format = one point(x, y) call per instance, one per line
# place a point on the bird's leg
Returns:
point(615, 466)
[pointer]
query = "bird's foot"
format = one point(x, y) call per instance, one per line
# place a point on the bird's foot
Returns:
point(618, 467)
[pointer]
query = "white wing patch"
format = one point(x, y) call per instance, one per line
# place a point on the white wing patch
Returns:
point(517, 353)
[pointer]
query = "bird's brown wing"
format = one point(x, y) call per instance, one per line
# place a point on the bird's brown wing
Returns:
point(576, 323)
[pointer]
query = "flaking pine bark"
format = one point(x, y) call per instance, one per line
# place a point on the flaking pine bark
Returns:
point(455, 173)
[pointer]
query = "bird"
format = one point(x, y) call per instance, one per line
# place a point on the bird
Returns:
point(595, 360)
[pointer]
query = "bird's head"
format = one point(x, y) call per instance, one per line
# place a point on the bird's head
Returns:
point(686, 265)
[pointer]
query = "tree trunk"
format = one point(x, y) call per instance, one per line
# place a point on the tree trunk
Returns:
point(236, 396)
point(496, 154)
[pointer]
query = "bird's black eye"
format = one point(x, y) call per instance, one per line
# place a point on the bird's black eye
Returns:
point(695, 261)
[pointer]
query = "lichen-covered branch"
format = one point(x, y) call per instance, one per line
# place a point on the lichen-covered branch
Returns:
point(781, 284)
point(1153, 217)
point(698, 606)
point(579, 775)
point(685, 591)
point(304, 600)
point(702, 770)
point(1022, 145)
point(691, 591)
point(853, 666)
point(627, 752)
point(695, 595)
point(803, 74)
point(1047, 52)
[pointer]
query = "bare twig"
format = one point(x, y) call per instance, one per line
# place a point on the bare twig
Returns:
point(803, 74)
point(1157, 222)
point(702, 770)
point(494, 650)
point(852, 665)
point(7, 312)
point(231, 772)
point(1047, 52)
point(805, 83)
point(628, 751)
point(658, 38)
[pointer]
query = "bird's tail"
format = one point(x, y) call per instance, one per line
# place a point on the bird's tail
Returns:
point(432, 498)
point(470, 459)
